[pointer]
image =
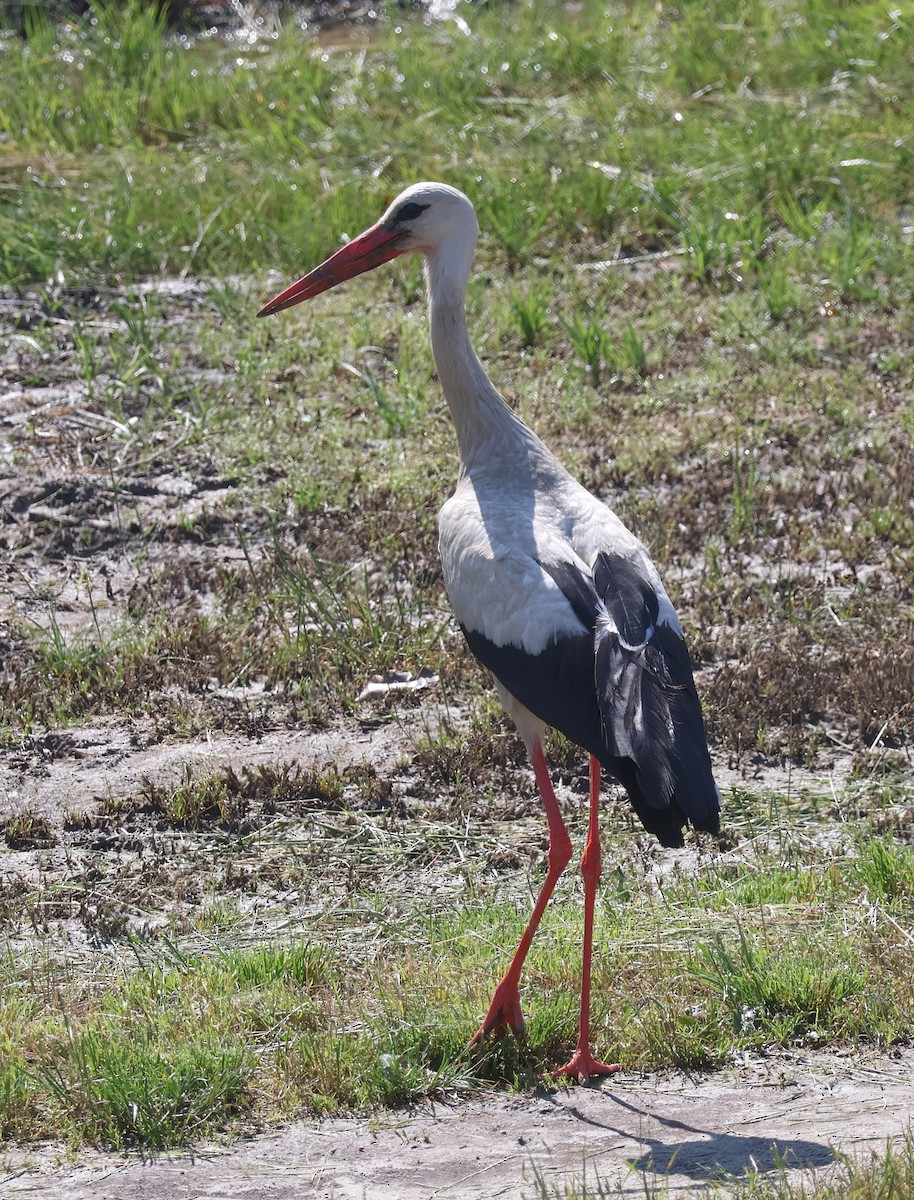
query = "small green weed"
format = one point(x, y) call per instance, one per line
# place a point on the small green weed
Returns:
point(624, 356)
point(531, 315)
point(787, 997)
point(590, 340)
point(745, 484)
point(774, 281)
point(886, 870)
point(514, 226)
point(120, 1091)
point(27, 830)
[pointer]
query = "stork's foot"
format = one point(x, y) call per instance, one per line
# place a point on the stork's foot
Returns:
point(584, 1066)
point(504, 1014)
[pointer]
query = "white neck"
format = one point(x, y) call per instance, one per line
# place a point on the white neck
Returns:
point(477, 410)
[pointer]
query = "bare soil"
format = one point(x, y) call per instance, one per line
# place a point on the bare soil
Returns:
point(89, 852)
point(675, 1132)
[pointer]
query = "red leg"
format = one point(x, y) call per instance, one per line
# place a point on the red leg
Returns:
point(583, 1065)
point(505, 1011)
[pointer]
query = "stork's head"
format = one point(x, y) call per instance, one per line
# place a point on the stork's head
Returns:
point(424, 218)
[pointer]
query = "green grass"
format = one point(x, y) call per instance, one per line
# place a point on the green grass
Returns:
point(695, 280)
point(632, 133)
point(160, 1045)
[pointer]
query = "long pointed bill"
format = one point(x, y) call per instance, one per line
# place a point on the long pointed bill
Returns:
point(375, 246)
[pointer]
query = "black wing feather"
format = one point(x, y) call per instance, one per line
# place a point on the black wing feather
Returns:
point(646, 692)
point(627, 697)
point(629, 597)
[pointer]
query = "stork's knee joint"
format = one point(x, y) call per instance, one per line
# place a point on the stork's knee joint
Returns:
point(590, 865)
point(559, 852)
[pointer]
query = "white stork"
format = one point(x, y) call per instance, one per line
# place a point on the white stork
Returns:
point(553, 594)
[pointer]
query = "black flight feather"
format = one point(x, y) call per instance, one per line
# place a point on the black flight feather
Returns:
point(629, 700)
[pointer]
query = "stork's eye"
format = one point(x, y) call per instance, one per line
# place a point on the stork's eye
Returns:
point(409, 212)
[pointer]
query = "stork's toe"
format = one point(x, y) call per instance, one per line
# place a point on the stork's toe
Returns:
point(504, 1014)
point(583, 1066)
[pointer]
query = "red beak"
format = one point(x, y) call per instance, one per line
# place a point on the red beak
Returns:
point(375, 246)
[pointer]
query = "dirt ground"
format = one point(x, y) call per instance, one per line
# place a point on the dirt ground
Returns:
point(682, 1135)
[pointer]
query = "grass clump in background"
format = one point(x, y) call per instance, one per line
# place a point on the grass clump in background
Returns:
point(740, 145)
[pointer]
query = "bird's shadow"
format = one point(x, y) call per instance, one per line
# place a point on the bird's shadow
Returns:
point(711, 1155)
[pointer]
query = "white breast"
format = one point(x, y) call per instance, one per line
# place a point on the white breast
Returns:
point(493, 577)
point(492, 539)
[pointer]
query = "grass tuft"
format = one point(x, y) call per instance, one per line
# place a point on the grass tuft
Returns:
point(120, 1092)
